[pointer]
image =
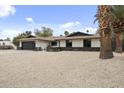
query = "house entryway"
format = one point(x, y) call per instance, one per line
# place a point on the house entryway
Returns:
point(68, 43)
point(87, 43)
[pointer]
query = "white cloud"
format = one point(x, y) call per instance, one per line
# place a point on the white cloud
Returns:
point(70, 24)
point(76, 26)
point(6, 10)
point(9, 33)
point(29, 19)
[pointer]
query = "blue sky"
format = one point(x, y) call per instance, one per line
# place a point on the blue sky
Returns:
point(17, 19)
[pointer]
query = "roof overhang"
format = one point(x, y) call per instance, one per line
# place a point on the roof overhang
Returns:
point(59, 38)
point(78, 37)
point(36, 39)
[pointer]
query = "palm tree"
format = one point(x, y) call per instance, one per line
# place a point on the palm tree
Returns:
point(104, 31)
point(117, 22)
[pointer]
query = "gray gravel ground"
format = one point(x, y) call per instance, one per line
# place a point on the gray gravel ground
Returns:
point(27, 69)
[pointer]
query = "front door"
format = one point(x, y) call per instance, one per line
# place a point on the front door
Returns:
point(68, 43)
point(87, 42)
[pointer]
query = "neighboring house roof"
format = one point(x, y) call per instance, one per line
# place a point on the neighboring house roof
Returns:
point(79, 34)
point(30, 36)
point(4, 40)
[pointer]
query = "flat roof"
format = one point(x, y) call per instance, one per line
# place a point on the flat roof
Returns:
point(60, 38)
point(77, 37)
point(37, 38)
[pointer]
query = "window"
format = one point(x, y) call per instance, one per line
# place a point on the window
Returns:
point(3, 44)
point(54, 43)
point(68, 43)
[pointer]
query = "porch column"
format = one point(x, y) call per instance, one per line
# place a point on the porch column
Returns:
point(20, 44)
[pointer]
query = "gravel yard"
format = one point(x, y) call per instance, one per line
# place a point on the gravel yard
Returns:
point(60, 69)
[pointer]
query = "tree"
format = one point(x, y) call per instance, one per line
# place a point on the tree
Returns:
point(60, 35)
point(20, 36)
point(87, 31)
point(66, 33)
point(104, 31)
point(28, 33)
point(117, 23)
point(44, 32)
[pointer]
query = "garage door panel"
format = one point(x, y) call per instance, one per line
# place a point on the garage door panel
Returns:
point(30, 45)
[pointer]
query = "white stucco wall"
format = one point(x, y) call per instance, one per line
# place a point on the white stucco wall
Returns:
point(5, 42)
point(42, 44)
point(95, 43)
point(77, 43)
point(62, 43)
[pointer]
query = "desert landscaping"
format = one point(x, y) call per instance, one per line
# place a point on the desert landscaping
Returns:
point(63, 69)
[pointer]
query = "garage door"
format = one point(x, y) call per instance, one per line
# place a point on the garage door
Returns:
point(30, 45)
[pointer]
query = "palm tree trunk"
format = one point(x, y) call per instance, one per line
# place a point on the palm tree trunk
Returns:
point(105, 49)
point(118, 38)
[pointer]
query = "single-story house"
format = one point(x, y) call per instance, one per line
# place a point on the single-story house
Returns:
point(6, 44)
point(74, 41)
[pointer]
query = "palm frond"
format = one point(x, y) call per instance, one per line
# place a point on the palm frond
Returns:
point(95, 20)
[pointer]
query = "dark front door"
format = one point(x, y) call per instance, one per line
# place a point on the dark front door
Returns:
point(87, 43)
point(68, 43)
point(29, 45)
